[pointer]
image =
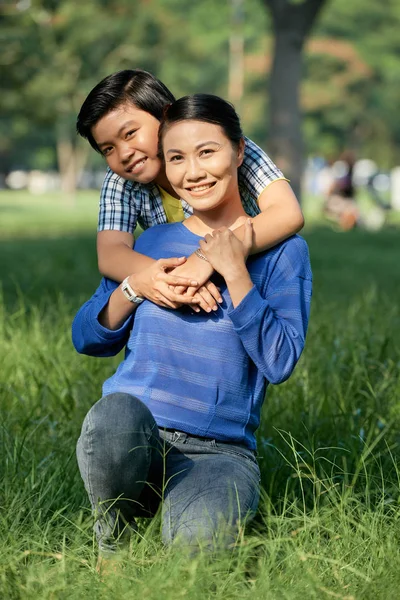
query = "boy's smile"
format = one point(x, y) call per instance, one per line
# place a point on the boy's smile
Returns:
point(128, 137)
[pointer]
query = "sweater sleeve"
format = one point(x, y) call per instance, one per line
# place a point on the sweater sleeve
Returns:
point(88, 335)
point(272, 326)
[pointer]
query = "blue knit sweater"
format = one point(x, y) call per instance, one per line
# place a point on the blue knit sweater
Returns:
point(207, 374)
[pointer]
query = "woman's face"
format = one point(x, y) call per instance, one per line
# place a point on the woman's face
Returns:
point(201, 163)
point(128, 139)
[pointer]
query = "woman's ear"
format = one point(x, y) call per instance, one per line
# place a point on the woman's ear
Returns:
point(240, 152)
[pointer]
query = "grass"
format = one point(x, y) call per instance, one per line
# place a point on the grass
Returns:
point(329, 518)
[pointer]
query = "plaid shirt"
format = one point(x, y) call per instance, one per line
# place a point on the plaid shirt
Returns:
point(125, 203)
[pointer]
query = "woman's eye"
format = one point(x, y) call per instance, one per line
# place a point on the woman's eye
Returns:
point(175, 158)
point(206, 152)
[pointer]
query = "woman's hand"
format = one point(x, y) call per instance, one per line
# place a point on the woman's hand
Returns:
point(226, 253)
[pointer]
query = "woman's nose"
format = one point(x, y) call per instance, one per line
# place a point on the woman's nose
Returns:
point(195, 170)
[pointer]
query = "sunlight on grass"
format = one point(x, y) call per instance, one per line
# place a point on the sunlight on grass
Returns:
point(328, 524)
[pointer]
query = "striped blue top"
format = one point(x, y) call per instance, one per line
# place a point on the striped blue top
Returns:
point(206, 374)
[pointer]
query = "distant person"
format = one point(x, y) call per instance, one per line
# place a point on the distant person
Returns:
point(341, 202)
point(120, 118)
point(176, 422)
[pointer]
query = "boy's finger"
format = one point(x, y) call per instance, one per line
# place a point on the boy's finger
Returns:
point(170, 296)
point(168, 263)
point(180, 289)
point(170, 279)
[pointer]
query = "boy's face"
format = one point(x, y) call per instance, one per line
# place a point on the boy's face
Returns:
point(128, 139)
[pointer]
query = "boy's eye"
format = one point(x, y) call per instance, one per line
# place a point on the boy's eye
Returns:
point(107, 150)
point(131, 132)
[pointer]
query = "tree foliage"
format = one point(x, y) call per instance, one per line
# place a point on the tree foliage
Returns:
point(54, 52)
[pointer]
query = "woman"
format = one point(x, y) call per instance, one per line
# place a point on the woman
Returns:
point(177, 419)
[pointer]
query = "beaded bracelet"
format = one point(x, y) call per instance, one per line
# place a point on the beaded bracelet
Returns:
point(199, 253)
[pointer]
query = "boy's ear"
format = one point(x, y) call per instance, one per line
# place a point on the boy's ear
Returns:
point(240, 152)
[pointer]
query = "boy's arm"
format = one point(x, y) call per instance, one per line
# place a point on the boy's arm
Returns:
point(152, 279)
point(280, 217)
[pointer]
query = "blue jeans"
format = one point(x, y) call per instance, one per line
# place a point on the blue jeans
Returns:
point(129, 466)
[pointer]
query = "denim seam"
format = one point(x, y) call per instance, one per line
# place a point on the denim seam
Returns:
point(89, 457)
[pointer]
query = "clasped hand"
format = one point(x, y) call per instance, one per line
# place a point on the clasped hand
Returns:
point(170, 282)
point(225, 252)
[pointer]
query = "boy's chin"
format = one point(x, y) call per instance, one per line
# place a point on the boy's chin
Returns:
point(138, 179)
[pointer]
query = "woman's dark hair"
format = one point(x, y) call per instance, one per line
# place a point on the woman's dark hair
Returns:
point(133, 86)
point(203, 107)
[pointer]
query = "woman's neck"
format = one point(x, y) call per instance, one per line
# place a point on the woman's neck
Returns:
point(228, 214)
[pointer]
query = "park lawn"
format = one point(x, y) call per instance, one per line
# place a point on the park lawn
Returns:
point(329, 519)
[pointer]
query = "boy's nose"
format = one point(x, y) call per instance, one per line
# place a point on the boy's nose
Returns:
point(126, 153)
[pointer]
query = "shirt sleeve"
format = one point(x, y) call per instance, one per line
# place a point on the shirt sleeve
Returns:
point(255, 174)
point(273, 326)
point(118, 210)
point(89, 336)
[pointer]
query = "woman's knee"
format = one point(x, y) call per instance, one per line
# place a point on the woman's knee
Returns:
point(119, 411)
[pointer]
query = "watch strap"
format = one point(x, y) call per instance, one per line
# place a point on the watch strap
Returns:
point(129, 292)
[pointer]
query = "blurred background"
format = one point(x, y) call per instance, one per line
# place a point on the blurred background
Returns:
point(317, 86)
point(311, 79)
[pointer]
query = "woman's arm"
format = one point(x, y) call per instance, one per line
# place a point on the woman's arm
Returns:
point(272, 328)
point(90, 335)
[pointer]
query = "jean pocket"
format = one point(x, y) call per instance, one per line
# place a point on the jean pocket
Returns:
point(238, 450)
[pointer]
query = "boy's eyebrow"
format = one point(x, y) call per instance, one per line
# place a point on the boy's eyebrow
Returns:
point(120, 130)
point(197, 147)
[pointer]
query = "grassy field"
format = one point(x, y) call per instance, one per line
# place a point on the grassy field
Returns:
point(329, 519)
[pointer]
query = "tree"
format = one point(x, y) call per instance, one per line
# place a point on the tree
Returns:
point(56, 52)
point(292, 22)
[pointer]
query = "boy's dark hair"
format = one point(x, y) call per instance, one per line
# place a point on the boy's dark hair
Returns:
point(203, 107)
point(138, 87)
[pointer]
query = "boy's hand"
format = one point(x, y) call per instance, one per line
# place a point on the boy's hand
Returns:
point(206, 293)
point(157, 283)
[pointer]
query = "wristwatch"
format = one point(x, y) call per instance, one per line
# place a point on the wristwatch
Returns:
point(129, 293)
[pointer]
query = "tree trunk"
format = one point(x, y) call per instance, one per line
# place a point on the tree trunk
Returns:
point(71, 160)
point(292, 23)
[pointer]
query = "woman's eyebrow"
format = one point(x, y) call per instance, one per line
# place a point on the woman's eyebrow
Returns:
point(197, 147)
